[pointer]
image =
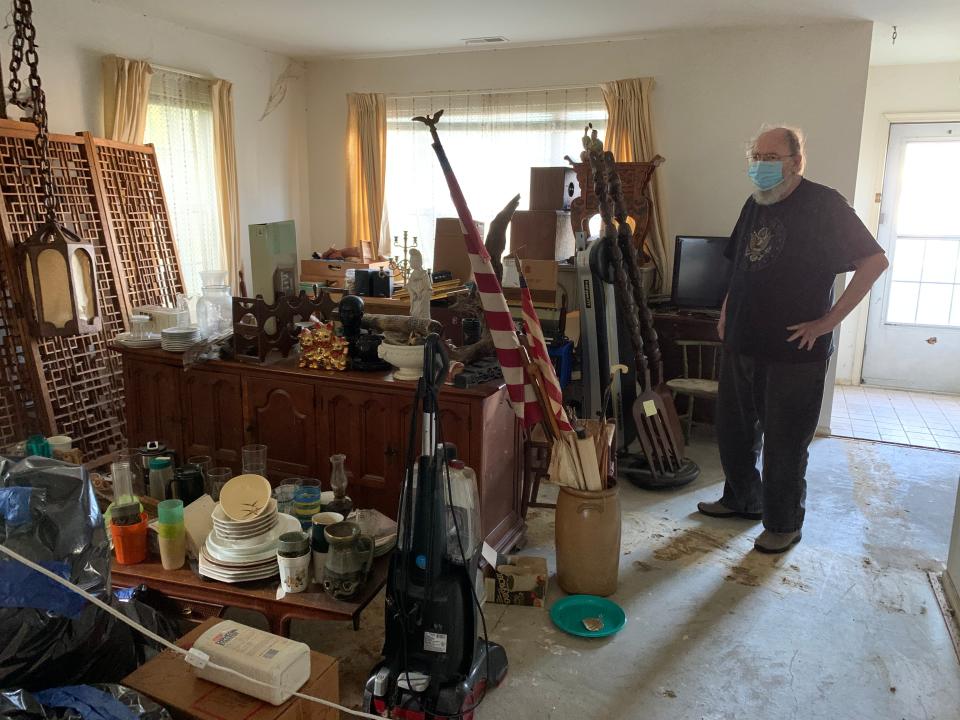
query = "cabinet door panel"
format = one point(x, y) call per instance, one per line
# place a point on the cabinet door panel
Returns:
point(455, 427)
point(153, 404)
point(213, 416)
point(362, 426)
point(281, 416)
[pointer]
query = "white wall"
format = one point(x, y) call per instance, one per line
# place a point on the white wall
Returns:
point(891, 89)
point(73, 35)
point(713, 90)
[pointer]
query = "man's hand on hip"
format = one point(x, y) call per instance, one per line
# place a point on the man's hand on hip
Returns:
point(808, 332)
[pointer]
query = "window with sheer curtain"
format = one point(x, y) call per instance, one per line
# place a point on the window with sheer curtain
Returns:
point(180, 126)
point(492, 140)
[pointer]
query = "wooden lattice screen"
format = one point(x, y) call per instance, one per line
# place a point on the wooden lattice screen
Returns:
point(110, 195)
point(147, 260)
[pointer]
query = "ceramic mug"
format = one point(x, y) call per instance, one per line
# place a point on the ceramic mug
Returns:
point(294, 572)
point(348, 560)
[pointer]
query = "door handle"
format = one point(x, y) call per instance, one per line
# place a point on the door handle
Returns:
point(390, 452)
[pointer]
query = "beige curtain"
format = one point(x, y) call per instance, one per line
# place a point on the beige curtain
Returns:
point(126, 91)
point(366, 170)
point(225, 162)
point(630, 137)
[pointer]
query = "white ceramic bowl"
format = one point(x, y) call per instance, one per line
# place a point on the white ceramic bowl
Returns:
point(407, 359)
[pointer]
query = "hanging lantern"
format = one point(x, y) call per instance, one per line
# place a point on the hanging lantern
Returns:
point(59, 274)
point(57, 268)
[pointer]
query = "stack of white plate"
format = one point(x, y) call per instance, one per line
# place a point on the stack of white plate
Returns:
point(149, 340)
point(245, 529)
point(247, 550)
point(178, 339)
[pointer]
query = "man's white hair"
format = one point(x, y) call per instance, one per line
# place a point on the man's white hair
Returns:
point(796, 141)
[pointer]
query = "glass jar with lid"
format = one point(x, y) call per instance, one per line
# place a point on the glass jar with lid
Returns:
point(215, 305)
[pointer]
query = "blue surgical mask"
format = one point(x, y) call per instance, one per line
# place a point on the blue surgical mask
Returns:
point(766, 174)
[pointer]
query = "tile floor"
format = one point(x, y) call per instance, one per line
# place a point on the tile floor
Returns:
point(897, 416)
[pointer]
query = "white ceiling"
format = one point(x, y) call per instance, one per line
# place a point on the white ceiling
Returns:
point(929, 30)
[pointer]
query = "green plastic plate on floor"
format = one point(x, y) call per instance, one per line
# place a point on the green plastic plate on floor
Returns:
point(569, 613)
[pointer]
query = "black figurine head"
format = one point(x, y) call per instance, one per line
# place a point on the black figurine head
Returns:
point(351, 313)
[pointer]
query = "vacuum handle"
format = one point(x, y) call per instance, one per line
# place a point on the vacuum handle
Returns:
point(436, 362)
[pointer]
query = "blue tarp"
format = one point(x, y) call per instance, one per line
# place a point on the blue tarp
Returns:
point(92, 704)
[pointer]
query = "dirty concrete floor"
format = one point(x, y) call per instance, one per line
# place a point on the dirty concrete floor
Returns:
point(843, 626)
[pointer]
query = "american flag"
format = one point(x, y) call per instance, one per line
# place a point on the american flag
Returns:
point(522, 395)
point(540, 355)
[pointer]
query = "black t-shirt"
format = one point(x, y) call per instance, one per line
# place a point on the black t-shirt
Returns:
point(786, 257)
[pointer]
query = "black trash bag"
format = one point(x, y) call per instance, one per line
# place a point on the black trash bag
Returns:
point(49, 635)
point(80, 702)
point(146, 608)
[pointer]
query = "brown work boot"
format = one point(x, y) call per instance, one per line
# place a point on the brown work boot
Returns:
point(773, 543)
point(719, 510)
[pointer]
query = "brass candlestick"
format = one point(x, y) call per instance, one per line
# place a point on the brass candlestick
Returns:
point(400, 264)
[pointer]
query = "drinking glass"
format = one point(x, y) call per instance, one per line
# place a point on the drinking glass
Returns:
point(138, 326)
point(285, 495)
point(121, 474)
point(254, 458)
point(306, 500)
point(134, 458)
point(367, 521)
point(204, 463)
point(216, 478)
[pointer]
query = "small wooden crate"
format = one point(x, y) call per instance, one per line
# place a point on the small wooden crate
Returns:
point(333, 273)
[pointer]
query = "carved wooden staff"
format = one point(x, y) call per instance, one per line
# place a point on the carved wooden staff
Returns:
point(660, 448)
point(593, 154)
point(654, 379)
point(651, 344)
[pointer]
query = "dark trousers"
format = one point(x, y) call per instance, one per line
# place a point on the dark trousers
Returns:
point(773, 406)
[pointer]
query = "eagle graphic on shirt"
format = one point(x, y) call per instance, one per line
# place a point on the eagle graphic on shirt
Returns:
point(765, 244)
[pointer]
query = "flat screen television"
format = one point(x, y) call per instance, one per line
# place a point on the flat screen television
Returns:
point(701, 274)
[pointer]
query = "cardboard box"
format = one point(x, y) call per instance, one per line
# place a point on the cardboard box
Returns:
point(542, 235)
point(449, 249)
point(541, 277)
point(170, 681)
point(522, 580)
point(550, 187)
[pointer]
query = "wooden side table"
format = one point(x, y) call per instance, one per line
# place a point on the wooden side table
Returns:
point(200, 598)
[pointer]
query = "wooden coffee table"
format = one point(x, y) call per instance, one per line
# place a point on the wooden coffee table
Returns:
point(199, 598)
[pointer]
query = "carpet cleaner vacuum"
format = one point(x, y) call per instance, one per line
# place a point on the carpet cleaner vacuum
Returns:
point(435, 664)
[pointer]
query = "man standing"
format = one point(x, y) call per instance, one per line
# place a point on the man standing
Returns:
point(792, 239)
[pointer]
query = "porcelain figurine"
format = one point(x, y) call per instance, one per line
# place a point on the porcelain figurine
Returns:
point(420, 286)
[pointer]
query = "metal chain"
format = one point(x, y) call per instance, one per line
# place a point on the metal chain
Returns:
point(16, 56)
point(25, 48)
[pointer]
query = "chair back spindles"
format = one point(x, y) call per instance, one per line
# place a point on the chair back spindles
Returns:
point(696, 369)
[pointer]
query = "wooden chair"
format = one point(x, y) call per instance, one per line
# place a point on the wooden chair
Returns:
point(701, 372)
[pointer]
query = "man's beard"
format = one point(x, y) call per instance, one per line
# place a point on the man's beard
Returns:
point(775, 194)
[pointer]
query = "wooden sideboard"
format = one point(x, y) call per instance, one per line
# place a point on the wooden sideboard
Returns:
point(305, 416)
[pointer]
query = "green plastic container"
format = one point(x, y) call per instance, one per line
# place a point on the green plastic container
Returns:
point(170, 512)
